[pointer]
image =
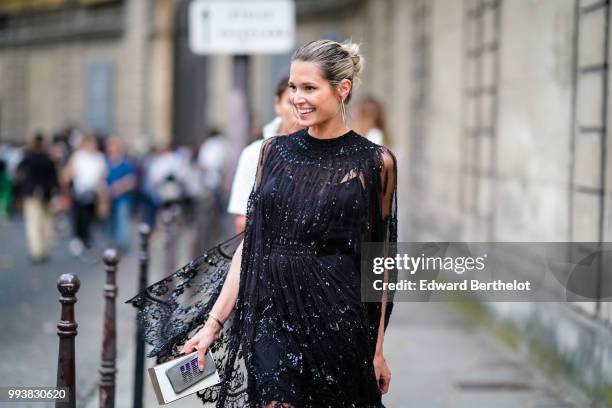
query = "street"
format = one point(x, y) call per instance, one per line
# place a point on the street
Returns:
point(30, 311)
point(472, 121)
point(438, 357)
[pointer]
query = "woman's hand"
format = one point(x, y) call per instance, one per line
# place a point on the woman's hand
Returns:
point(202, 340)
point(382, 373)
point(222, 309)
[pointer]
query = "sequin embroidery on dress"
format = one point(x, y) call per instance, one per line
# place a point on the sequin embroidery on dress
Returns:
point(299, 334)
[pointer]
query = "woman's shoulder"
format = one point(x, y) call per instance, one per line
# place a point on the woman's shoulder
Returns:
point(270, 144)
point(387, 156)
point(276, 141)
point(381, 151)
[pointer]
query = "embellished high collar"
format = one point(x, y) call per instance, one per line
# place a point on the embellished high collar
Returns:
point(316, 143)
point(304, 148)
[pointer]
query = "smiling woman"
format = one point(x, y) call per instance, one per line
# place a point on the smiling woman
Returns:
point(322, 80)
point(289, 327)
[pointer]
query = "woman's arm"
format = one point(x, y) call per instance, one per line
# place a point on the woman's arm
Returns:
point(388, 214)
point(389, 187)
point(381, 326)
point(240, 223)
point(229, 293)
point(222, 308)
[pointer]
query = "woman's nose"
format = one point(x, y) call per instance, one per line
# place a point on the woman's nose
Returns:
point(297, 97)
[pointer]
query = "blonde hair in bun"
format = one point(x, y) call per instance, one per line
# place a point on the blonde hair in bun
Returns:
point(358, 61)
point(337, 61)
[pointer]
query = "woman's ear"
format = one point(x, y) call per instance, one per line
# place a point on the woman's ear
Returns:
point(344, 87)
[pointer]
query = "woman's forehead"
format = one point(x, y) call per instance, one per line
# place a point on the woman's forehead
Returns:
point(305, 71)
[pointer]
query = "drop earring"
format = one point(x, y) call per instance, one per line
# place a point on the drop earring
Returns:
point(343, 111)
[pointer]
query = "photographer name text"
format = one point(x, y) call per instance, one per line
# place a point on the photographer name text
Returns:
point(464, 285)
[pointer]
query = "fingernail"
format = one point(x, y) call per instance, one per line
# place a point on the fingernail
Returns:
point(201, 368)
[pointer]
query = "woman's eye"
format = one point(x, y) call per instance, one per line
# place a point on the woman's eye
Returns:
point(309, 88)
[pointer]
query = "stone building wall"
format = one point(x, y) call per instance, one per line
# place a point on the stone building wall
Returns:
point(43, 83)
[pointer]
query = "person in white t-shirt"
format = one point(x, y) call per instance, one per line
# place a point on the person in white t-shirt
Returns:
point(86, 173)
point(283, 124)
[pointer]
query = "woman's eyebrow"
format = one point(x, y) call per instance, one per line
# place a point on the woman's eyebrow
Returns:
point(303, 83)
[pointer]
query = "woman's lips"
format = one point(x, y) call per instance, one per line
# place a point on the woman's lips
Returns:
point(305, 112)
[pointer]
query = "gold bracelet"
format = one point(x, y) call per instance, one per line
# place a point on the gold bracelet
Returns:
point(216, 319)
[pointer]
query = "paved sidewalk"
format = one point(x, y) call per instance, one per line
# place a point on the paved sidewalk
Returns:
point(438, 359)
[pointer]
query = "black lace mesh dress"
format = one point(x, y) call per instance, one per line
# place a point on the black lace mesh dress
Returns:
point(300, 333)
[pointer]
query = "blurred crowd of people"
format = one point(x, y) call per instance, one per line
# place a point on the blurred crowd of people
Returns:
point(95, 181)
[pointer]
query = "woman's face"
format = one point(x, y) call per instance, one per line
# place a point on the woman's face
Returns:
point(312, 96)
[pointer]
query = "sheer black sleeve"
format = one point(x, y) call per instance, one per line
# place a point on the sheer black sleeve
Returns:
point(171, 310)
point(384, 231)
point(389, 220)
point(255, 191)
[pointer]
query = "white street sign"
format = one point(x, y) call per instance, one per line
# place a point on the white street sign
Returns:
point(241, 26)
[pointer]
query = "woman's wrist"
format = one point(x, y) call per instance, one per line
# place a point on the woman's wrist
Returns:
point(216, 318)
point(213, 325)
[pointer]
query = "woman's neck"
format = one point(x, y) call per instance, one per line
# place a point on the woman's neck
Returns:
point(328, 130)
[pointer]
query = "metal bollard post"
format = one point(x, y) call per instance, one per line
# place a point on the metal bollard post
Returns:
point(139, 364)
point(68, 285)
point(109, 338)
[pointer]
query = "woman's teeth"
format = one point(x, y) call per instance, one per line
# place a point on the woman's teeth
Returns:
point(305, 111)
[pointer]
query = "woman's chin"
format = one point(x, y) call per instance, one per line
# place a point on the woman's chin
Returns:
point(305, 122)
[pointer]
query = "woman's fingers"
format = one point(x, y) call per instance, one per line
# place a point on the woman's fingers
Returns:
point(200, 342)
point(189, 346)
point(383, 384)
point(201, 356)
point(382, 373)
